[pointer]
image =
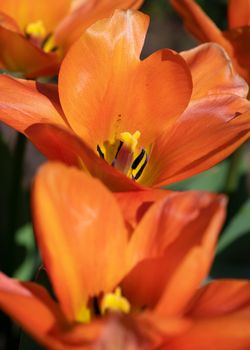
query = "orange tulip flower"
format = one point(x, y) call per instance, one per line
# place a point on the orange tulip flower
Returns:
point(35, 34)
point(236, 40)
point(128, 121)
point(126, 281)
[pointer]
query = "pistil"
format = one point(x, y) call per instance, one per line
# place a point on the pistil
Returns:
point(37, 34)
point(125, 154)
point(115, 302)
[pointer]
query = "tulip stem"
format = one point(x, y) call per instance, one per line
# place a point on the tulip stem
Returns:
point(15, 194)
point(233, 171)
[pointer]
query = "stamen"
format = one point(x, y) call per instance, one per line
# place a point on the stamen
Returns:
point(138, 174)
point(48, 44)
point(101, 154)
point(96, 306)
point(118, 149)
point(138, 159)
point(125, 154)
point(84, 315)
point(37, 34)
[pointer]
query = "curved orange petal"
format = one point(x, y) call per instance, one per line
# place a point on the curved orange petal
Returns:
point(105, 89)
point(60, 144)
point(226, 332)
point(212, 72)
point(18, 54)
point(94, 75)
point(176, 234)
point(32, 308)
point(135, 204)
point(86, 238)
point(204, 29)
point(87, 13)
point(238, 13)
point(23, 103)
point(220, 298)
point(160, 92)
point(9, 23)
point(209, 131)
point(27, 11)
point(194, 250)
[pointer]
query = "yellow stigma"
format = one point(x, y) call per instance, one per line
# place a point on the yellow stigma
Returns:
point(36, 29)
point(83, 315)
point(130, 140)
point(115, 302)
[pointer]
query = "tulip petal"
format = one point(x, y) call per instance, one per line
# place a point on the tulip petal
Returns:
point(105, 89)
point(88, 236)
point(240, 41)
point(209, 130)
point(27, 11)
point(198, 23)
point(60, 144)
point(24, 302)
point(238, 13)
point(195, 250)
point(161, 92)
point(23, 103)
point(220, 298)
point(90, 83)
point(175, 235)
point(211, 58)
point(204, 29)
point(226, 332)
point(87, 13)
point(9, 23)
point(135, 204)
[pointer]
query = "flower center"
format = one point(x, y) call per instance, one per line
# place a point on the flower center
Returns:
point(98, 306)
point(125, 154)
point(115, 302)
point(37, 34)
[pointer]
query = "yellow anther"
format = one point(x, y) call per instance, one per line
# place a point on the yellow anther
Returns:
point(36, 29)
point(130, 140)
point(83, 315)
point(49, 44)
point(115, 302)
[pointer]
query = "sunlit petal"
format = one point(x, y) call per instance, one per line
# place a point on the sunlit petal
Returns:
point(103, 68)
point(23, 103)
point(78, 233)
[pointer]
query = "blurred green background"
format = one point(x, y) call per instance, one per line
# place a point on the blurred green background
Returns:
point(19, 161)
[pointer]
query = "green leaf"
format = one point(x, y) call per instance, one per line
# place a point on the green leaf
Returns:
point(212, 180)
point(14, 74)
point(25, 239)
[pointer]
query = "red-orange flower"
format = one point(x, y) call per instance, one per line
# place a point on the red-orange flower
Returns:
point(236, 40)
point(123, 283)
point(128, 121)
point(34, 35)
